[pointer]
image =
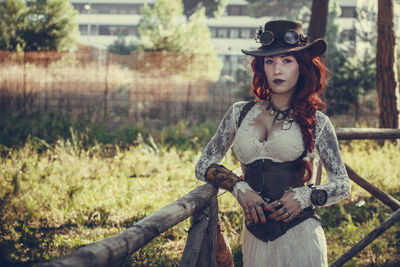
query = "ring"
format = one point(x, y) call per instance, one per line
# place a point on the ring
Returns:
point(280, 203)
point(251, 207)
point(258, 204)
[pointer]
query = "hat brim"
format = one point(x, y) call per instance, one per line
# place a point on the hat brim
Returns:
point(316, 48)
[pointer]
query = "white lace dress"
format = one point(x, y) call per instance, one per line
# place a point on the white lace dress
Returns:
point(304, 244)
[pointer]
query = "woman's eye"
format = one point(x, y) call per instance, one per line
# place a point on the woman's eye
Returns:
point(268, 61)
point(287, 60)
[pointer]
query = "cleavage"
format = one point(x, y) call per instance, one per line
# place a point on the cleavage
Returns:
point(262, 125)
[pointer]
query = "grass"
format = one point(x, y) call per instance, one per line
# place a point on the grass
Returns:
point(57, 196)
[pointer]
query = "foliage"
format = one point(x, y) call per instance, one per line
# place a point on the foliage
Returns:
point(12, 24)
point(279, 8)
point(16, 129)
point(352, 77)
point(164, 28)
point(214, 8)
point(69, 195)
point(46, 25)
point(120, 47)
point(243, 78)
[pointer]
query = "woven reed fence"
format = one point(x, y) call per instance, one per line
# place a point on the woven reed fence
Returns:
point(147, 88)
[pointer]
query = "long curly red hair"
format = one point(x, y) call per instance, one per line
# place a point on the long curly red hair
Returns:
point(306, 100)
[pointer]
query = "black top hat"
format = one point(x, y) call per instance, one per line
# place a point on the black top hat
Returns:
point(284, 36)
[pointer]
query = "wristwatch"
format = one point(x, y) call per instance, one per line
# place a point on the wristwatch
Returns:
point(318, 196)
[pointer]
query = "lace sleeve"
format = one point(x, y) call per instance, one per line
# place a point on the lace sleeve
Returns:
point(220, 142)
point(338, 183)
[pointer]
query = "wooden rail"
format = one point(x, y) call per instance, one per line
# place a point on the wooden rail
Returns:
point(116, 248)
point(202, 204)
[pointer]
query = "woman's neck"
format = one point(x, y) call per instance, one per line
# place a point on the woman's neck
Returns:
point(281, 101)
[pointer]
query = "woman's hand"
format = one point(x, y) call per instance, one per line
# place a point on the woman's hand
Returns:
point(252, 205)
point(284, 209)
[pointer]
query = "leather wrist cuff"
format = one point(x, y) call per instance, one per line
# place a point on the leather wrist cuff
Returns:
point(221, 177)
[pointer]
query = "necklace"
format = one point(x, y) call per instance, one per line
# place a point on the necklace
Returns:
point(278, 114)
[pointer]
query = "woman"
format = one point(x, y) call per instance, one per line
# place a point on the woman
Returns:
point(277, 139)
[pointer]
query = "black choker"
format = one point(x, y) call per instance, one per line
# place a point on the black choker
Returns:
point(279, 115)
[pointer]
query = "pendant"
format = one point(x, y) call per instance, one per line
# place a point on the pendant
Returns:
point(280, 116)
point(272, 112)
point(287, 125)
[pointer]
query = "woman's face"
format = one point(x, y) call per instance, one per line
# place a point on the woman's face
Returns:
point(282, 73)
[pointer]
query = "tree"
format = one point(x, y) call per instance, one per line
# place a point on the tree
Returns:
point(387, 81)
point(214, 8)
point(318, 21)
point(164, 28)
point(353, 77)
point(341, 93)
point(52, 26)
point(46, 25)
point(120, 47)
point(279, 8)
point(12, 24)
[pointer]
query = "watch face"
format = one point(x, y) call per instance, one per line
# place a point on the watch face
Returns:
point(319, 197)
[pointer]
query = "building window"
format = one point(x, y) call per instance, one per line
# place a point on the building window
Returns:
point(134, 10)
point(348, 12)
point(245, 33)
point(104, 30)
point(113, 10)
point(234, 33)
point(133, 31)
point(348, 35)
point(234, 11)
point(222, 33)
point(213, 32)
point(83, 29)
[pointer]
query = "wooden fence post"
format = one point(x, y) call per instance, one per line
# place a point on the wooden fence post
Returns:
point(207, 257)
point(195, 238)
point(200, 249)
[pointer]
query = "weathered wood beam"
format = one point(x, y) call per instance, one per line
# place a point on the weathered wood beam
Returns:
point(387, 199)
point(195, 238)
point(367, 133)
point(114, 249)
point(395, 217)
point(207, 256)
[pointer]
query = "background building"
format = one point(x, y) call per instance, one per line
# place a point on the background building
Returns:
point(102, 21)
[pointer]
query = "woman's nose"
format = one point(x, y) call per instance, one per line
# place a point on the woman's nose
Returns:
point(278, 68)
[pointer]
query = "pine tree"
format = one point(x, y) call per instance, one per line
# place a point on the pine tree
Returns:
point(12, 24)
point(46, 25)
point(165, 28)
point(52, 26)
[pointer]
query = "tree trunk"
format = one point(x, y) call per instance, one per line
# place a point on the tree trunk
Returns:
point(387, 80)
point(318, 21)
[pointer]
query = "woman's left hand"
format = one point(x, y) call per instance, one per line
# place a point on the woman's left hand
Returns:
point(289, 209)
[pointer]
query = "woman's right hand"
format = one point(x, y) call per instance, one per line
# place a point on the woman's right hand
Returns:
point(252, 205)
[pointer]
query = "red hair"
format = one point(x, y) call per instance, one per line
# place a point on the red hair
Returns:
point(305, 101)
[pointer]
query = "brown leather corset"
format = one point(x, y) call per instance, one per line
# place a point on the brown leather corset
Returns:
point(270, 180)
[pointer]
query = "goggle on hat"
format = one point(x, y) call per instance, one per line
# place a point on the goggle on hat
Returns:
point(284, 36)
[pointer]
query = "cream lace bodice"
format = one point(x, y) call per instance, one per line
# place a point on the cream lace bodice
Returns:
point(282, 144)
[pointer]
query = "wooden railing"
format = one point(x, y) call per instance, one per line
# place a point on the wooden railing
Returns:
point(202, 204)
